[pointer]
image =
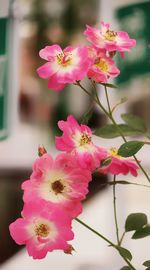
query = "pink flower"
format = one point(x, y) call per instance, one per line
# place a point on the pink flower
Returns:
point(57, 183)
point(109, 40)
point(63, 66)
point(116, 164)
point(77, 140)
point(42, 229)
point(103, 68)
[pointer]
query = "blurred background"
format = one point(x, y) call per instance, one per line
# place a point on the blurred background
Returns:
point(29, 111)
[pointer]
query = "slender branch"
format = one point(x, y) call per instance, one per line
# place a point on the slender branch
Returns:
point(84, 89)
point(122, 182)
point(87, 113)
point(91, 96)
point(115, 210)
point(94, 231)
point(114, 122)
point(108, 103)
point(105, 239)
point(122, 237)
point(122, 135)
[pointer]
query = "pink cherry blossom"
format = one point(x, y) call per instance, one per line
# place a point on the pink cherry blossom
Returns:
point(116, 164)
point(77, 140)
point(57, 183)
point(42, 229)
point(107, 39)
point(63, 66)
point(103, 67)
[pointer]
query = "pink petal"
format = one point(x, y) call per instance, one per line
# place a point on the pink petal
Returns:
point(50, 51)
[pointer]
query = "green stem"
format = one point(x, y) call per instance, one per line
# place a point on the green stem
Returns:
point(122, 182)
point(105, 239)
point(113, 121)
point(122, 237)
point(94, 231)
point(122, 135)
point(115, 209)
point(108, 103)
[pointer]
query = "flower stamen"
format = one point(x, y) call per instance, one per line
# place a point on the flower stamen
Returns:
point(102, 65)
point(113, 151)
point(85, 139)
point(110, 35)
point(42, 230)
point(58, 187)
point(64, 59)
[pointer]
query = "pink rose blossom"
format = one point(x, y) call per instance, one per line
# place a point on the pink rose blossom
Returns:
point(77, 140)
point(103, 68)
point(119, 165)
point(63, 66)
point(42, 229)
point(109, 40)
point(57, 183)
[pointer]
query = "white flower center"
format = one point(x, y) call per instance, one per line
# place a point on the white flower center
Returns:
point(55, 187)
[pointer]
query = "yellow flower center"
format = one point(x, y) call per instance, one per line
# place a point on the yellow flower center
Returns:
point(102, 65)
point(85, 139)
point(57, 187)
point(110, 35)
point(113, 151)
point(64, 59)
point(42, 230)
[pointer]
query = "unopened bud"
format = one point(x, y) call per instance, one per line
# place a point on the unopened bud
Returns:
point(41, 151)
point(112, 54)
point(69, 250)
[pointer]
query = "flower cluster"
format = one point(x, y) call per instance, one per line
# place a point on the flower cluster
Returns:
point(54, 193)
point(95, 61)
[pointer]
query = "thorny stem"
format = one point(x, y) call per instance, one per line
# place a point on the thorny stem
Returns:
point(105, 239)
point(113, 121)
point(115, 210)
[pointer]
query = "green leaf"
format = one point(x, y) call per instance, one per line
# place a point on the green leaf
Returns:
point(134, 121)
point(135, 222)
point(125, 268)
point(128, 131)
point(107, 131)
point(143, 232)
point(129, 149)
point(147, 268)
point(109, 85)
point(110, 131)
point(125, 252)
point(146, 263)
